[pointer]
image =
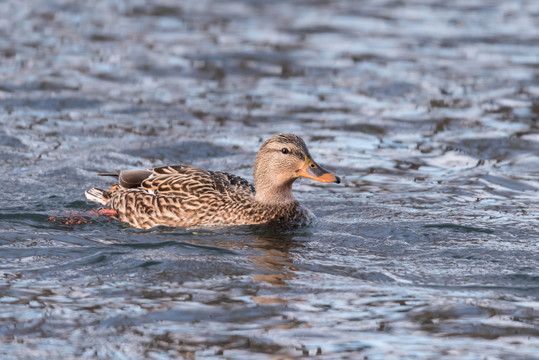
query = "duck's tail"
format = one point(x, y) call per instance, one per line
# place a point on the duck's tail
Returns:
point(98, 195)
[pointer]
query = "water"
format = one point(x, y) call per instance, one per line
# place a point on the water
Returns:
point(428, 110)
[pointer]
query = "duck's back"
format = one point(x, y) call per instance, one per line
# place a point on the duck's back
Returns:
point(184, 181)
point(183, 196)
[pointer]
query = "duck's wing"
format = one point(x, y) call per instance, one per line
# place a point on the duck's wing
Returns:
point(183, 180)
point(129, 179)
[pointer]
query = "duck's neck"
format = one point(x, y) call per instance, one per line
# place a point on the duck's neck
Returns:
point(271, 186)
point(274, 195)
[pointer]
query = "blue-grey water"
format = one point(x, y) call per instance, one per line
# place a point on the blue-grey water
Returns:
point(428, 109)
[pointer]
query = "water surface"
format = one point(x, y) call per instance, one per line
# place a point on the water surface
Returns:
point(428, 110)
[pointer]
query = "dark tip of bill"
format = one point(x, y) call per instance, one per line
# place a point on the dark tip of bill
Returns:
point(338, 179)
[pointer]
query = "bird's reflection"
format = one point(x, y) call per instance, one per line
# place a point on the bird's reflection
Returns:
point(271, 256)
point(269, 250)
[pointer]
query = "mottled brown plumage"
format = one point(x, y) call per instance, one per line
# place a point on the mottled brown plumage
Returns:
point(187, 196)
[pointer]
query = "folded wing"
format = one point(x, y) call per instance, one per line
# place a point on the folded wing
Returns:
point(187, 181)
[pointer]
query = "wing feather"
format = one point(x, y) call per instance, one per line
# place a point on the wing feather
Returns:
point(189, 181)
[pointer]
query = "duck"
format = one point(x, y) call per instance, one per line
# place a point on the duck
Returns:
point(187, 196)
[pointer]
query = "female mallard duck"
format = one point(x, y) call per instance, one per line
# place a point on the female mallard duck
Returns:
point(187, 196)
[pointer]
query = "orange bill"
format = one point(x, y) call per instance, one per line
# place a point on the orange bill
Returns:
point(314, 171)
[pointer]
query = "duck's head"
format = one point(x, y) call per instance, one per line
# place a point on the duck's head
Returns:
point(280, 161)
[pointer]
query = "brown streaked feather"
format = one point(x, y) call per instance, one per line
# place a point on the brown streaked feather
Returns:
point(191, 181)
point(185, 196)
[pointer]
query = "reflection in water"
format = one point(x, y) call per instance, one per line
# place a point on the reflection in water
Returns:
point(267, 249)
point(274, 260)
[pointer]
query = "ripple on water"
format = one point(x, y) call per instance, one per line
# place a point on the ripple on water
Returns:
point(427, 249)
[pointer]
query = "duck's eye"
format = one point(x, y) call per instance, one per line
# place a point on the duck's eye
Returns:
point(285, 150)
